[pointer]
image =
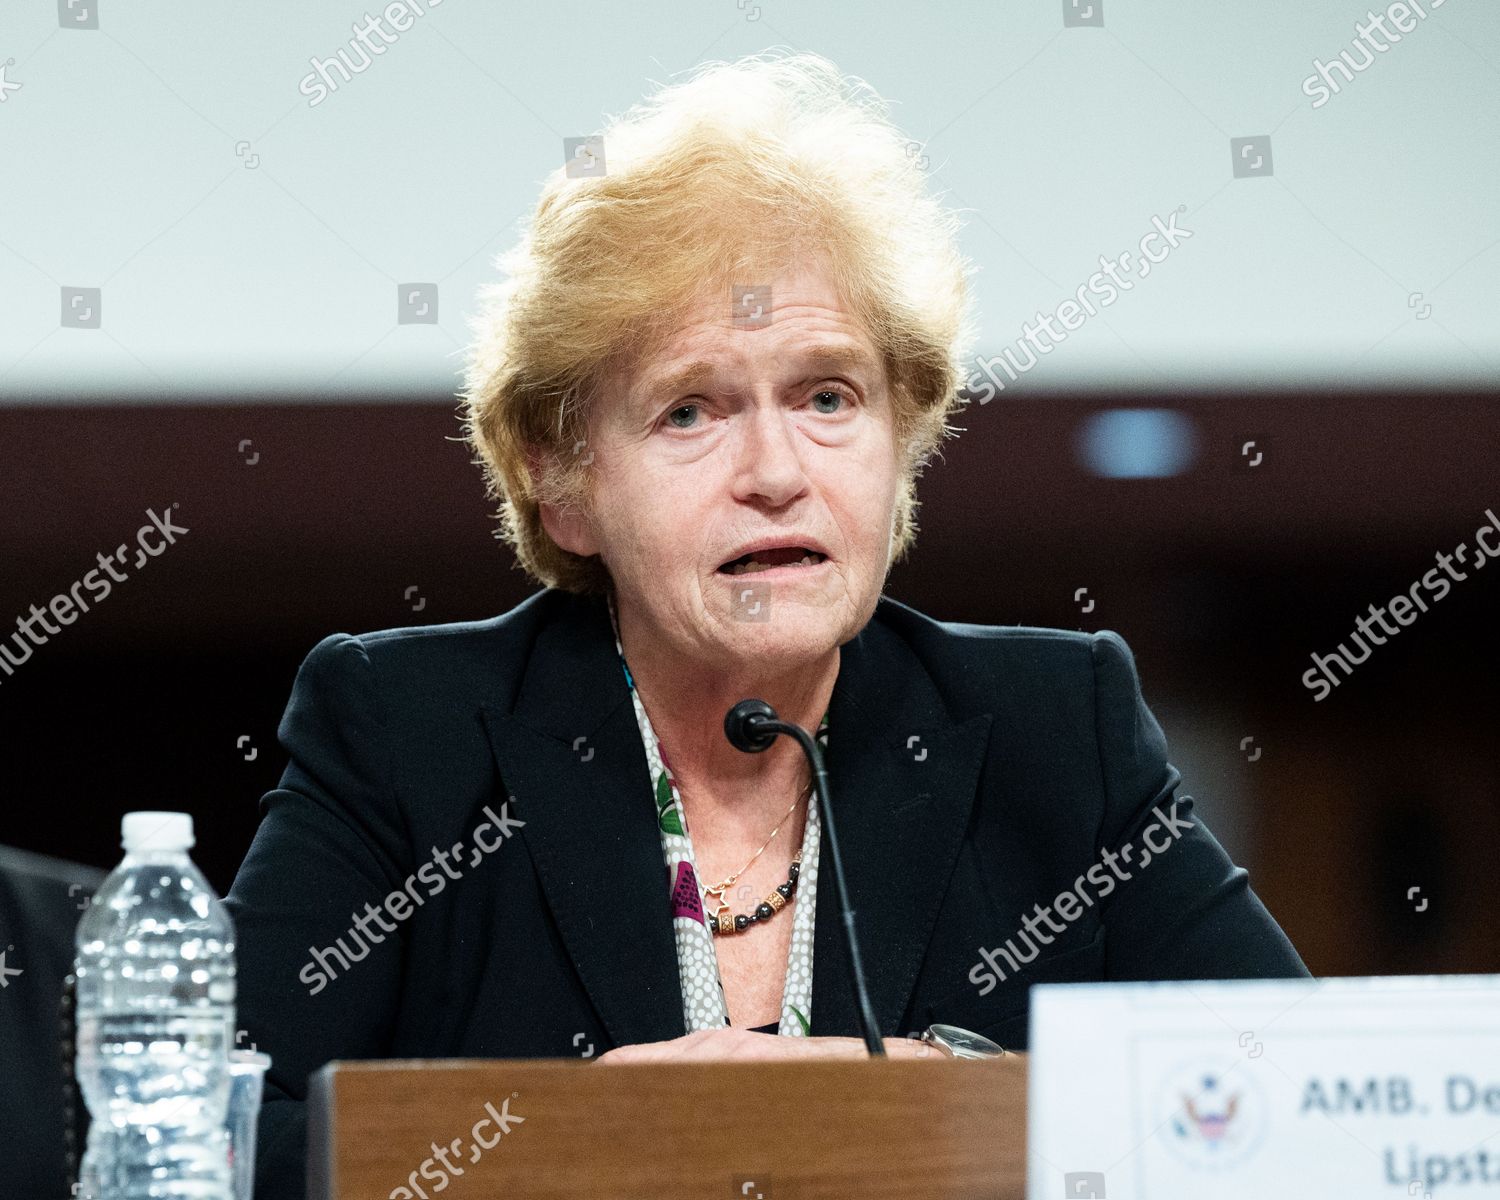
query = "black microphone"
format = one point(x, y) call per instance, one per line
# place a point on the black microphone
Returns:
point(751, 726)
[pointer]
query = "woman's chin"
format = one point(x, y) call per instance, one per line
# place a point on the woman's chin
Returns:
point(781, 594)
point(784, 633)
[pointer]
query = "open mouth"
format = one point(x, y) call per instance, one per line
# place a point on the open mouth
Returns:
point(768, 560)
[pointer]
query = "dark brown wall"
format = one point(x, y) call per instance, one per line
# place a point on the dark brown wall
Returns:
point(1222, 580)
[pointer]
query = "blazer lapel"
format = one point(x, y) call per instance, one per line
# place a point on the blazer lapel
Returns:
point(902, 779)
point(571, 758)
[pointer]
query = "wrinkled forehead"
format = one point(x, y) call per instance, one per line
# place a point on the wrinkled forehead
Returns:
point(838, 355)
point(710, 341)
point(712, 365)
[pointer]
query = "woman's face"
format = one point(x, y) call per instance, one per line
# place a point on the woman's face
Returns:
point(735, 436)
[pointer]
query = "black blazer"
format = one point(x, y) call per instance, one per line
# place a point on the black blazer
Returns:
point(976, 771)
point(45, 1122)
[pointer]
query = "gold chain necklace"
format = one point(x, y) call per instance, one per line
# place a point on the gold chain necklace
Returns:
point(722, 921)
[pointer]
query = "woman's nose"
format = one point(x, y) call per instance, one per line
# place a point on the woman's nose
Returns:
point(768, 458)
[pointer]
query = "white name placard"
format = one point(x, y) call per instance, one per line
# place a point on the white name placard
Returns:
point(1326, 1088)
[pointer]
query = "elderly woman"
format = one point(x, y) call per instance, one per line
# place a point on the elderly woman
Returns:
point(722, 352)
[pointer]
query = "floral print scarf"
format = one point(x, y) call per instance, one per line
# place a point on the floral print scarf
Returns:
point(703, 1004)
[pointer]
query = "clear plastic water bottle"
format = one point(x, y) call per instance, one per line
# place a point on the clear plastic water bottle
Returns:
point(155, 1008)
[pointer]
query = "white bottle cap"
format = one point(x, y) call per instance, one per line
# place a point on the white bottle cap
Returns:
point(156, 831)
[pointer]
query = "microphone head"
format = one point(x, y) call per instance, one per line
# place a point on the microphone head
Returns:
point(740, 726)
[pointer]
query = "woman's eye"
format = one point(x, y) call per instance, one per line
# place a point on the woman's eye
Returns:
point(682, 408)
point(827, 401)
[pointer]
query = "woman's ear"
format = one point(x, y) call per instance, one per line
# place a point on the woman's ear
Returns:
point(570, 526)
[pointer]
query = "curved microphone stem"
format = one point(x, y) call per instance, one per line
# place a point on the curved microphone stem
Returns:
point(764, 724)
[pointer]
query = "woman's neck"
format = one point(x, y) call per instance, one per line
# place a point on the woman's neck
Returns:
point(723, 788)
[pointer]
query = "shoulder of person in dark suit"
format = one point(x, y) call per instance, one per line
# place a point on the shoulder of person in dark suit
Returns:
point(333, 836)
point(41, 899)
